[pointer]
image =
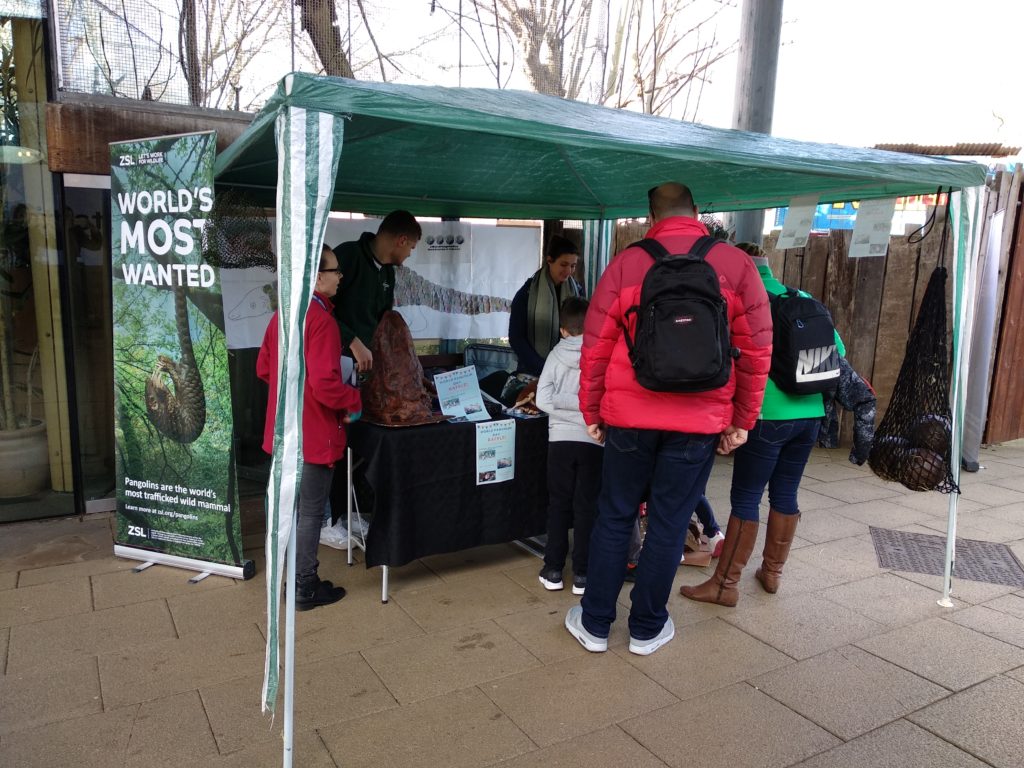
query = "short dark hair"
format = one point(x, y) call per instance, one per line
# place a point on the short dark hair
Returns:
point(324, 250)
point(572, 313)
point(400, 224)
point(558, 246)
point(751, 249)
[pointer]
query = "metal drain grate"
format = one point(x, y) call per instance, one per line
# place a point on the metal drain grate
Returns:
point(921, 553)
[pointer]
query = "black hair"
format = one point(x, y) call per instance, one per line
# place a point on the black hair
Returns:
point(559, 246)
point(572, 313)
point(401, 224)
point(324, 250)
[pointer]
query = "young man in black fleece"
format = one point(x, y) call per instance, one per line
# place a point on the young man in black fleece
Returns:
point(368, 290)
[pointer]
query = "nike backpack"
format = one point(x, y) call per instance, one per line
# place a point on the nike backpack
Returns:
point(805, 360)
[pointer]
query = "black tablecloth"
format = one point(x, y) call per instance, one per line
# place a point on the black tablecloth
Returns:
point(425, 500)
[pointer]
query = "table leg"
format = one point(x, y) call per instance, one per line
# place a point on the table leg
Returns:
point(384, 584)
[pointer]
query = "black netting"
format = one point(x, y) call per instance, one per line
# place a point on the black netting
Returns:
point(238, 234)
point(912, 445)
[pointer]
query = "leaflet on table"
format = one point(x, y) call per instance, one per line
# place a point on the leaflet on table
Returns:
point(458, 392)
point(495, 451)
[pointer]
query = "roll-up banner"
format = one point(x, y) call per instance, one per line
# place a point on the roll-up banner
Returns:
point(177, 502)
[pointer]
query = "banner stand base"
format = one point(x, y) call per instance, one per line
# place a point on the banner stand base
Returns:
point(244, 571)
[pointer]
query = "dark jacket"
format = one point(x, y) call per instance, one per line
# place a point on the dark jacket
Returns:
point(325, 399)
point(855, 395)
point(366, 292)
point(528, 361)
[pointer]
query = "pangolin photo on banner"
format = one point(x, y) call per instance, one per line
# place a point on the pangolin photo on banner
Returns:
point(176, 492)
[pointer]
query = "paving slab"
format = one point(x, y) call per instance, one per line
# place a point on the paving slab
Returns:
point(83, 635)
point(171, 731)
point(1001, 626)
point(65, 572)
point(1010, 513)
point(889, 600)
point(809, 500)
point(897, 745)
point(802, 626)
point(849, 692)
point(973, 592)
point(5, 640)
point(828, 524)
point(832, 471)
point(695, 733)
point(1012, 604)
point(58, 541)
point(937, 504)
point(706, 656)
point(987, 721)
point(609, 747)
point(125, 587)
point(851, 558)
point(1011, 478)
point(945, 653)
point(856, 490)
point(422, 667)
point(464, 601)
point(1016, 674)
point(798, 577)
point(593, 691)
point(46, 601)
point(882, 514)
point(96, 741)
point(461, 729)
point(61, 692)
point(991, 495)
point(218, 609)
point(8, 579)
point(979, 526)
point(542, 630)
point(154, 670)
point(326, 692)
point(472, 562)
point(308, 751)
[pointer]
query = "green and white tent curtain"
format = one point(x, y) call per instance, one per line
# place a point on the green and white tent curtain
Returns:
point(597, 251)
point(965, 208)
point(309, 149)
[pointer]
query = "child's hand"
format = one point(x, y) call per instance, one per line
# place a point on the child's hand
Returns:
point(596, 431)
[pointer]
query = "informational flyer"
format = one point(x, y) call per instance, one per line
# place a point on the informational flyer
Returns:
point(495, 451)
point(797, 226)
point(872, 228)
point(458, 392)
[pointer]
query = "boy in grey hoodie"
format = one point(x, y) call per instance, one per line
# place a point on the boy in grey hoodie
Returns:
point(574, 458)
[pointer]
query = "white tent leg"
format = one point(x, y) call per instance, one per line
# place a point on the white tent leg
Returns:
point(289, 653)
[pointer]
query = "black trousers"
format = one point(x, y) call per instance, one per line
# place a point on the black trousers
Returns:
point(574, 481)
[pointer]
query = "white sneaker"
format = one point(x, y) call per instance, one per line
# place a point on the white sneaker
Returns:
point(335, 536)
point(574, 623)
point(647, 647)
point(715, 544)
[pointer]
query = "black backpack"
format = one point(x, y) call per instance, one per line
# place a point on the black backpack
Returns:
point(805, 360)
point(682, 341)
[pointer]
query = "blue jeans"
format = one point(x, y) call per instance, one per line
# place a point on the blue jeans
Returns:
point(775, 455)
point(675, 466)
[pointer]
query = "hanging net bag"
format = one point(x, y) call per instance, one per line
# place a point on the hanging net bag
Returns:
point(912, 445)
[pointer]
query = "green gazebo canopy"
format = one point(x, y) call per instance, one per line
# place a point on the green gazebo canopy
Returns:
point(499, 153)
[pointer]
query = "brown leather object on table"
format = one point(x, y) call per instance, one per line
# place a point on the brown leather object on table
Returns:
point(395, 392)
point(526, 400)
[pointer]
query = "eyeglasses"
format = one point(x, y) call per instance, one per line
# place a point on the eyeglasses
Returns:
point(336, 270)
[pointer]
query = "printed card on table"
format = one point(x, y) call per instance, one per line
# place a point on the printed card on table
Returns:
point(458, 392)
point(495, 451)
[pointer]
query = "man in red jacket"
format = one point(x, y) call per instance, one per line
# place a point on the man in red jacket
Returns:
point(663, 441)
point(327, 405)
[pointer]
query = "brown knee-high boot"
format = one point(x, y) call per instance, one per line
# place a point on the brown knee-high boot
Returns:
point(721, 587)
point(777, 541)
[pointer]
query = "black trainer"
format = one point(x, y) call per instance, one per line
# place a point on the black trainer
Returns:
point(551, 578)
point(324, 593)
point(579, 584)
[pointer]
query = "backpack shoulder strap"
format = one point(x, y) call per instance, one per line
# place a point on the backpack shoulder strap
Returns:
point(653, 247)
point(703, 246)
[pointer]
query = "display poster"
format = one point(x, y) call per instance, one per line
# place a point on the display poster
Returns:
point(495, 451)
point(176, 492)
point(797, 227)
point(872, 227)
point(458, 392)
